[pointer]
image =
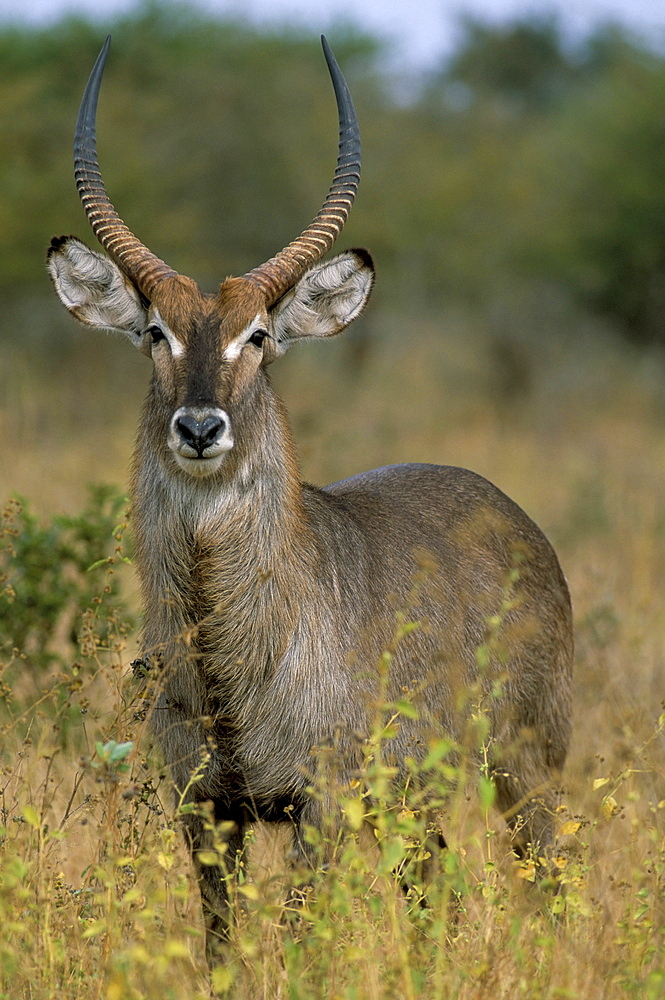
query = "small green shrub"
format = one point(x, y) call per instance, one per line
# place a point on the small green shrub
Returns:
point(50, 574)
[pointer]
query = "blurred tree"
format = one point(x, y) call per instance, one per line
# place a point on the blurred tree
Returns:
point(216, 141)
point(523, 63)
point(520, 165)
point(566, 188)
point(611, 150)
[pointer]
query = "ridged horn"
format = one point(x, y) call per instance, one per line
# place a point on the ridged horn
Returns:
point(281, 272)
point(132, 257)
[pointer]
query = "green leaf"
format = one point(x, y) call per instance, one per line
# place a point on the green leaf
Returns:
point(97, 564)
point(120, 751)
point(31, 816)
point(439, 749)
point(354, 810)
point(221, 979)
point(93, 929)
point(407, 709)
point(486, 791)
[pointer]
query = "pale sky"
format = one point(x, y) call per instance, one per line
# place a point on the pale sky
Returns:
point(421, 30)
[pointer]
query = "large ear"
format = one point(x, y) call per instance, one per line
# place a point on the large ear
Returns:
point(325, 300)
point(95, 290)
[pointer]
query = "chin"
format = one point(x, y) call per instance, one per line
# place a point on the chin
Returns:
point(200, 468)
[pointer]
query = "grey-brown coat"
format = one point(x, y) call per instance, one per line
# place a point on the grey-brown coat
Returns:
point(268, 602)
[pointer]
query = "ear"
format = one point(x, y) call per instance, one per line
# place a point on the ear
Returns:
point(95, 290)
point(325, 300)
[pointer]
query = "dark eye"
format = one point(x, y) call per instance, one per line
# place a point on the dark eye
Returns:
point(258, 337)
point(156, 333)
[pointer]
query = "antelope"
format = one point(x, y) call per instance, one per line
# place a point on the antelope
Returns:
point(268, 602)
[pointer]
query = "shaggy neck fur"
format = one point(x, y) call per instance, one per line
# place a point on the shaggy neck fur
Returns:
point(216, 556)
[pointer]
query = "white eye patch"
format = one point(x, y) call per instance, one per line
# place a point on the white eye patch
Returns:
point(177, 348)
point(234, 348)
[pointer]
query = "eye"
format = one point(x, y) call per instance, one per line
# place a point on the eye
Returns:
point(156, 333)
point(257, 338)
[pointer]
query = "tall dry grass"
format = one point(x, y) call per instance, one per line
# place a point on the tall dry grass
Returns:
point(96, 893)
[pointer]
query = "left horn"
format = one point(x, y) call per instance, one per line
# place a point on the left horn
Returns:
point(132, 257)
point(281, 272)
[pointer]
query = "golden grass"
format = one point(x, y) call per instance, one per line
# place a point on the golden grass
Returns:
point(96, 894)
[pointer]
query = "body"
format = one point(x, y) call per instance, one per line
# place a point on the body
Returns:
point(279, 668)
point(269, 604)
point(259, 672)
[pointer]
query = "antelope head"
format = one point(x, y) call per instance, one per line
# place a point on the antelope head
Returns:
point(210, 350)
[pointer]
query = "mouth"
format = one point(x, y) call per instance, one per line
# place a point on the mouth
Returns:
point(201, 467)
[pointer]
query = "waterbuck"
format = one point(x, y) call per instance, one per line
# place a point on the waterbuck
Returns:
point(268, 602)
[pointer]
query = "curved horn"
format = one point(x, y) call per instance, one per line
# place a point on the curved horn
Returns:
point(281, 272)
point(132, 257)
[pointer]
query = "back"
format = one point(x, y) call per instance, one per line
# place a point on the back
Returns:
point(448, 531)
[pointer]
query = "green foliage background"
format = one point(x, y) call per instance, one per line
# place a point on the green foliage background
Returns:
point(520, 163)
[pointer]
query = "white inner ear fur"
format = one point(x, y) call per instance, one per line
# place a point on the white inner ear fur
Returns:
point(325, 300)
point(95, 290)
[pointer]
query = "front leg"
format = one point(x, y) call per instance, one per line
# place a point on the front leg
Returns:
point(205, 794)
point(216, 849)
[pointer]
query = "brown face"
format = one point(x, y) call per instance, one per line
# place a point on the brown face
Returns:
point(209, 396)
point(207, 351)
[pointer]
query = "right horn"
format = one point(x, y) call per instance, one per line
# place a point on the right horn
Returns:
point(132, 257)
point(282, 271)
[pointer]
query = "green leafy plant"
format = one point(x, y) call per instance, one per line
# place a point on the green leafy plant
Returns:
point(52, 574)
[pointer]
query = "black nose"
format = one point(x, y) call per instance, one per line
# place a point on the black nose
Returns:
point(200, 434)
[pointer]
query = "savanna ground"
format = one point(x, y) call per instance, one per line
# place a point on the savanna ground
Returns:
point(97, 897)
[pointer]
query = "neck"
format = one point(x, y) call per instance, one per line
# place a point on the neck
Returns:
point(216, 555)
